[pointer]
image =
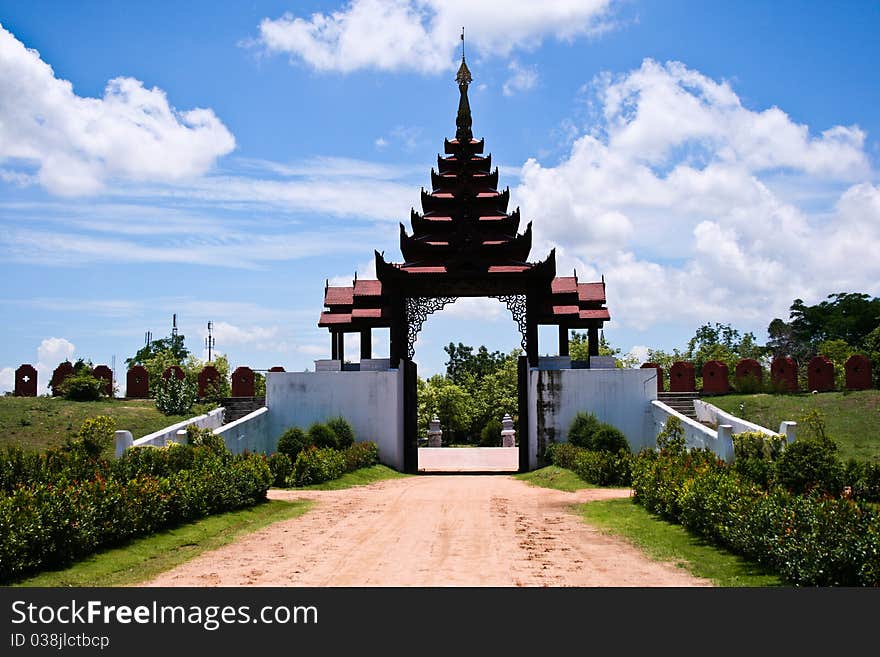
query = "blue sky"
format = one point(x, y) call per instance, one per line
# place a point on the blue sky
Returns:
point(221, 160)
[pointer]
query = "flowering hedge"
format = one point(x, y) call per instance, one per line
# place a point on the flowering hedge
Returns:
point(62, 505)
point(812, 539)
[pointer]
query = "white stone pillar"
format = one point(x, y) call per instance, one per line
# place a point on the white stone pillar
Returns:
point(122, 441)
point(508, 433)
point(725, 442)
point(435, 433)
point(787, 429)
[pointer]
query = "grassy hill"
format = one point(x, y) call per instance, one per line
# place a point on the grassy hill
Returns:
point(851, 418)
point(41, 422)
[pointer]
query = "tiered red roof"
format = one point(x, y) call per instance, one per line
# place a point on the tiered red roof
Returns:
point(464, 232)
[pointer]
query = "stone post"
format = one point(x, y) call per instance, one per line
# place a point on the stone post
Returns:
point(123, 440)
point(508, 433)
point(788, 429)
point(435, 433)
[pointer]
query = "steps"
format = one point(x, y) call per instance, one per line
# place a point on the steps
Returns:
point(682, 402)
point(238, 407)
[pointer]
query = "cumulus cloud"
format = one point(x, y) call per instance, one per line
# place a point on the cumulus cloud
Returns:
point(77, 144)
point(420, 35)
point(522, 78)
point(7, 379)
point(691, 203)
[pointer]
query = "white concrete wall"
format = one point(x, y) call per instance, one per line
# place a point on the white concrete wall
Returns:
point(372, 402)
point(160, 438)
point(709, 413)
point(696, 435)
point(250, 433)
point(620, 397)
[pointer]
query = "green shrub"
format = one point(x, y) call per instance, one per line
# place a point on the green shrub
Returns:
point(671, 437)
point(754, 455)
point(863, 480)
point(82, 386)
point(198, 437)
point(65, 512)
point(600, 468)
point(609, 439)
point(175, 396)
point(323, 437)
point(361, 455)
point(344, 432)
point(95, 435)
point(810, 540)
point(582, 429)
point(749, 385)
point(810, 464)
point(315, 465)
point(490, 436)
point(293, 441)
point(281, 467)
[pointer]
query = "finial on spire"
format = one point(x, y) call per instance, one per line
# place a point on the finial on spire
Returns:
point(463, 121)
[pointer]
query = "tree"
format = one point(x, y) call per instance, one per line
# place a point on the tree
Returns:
point(159, 355)
point(846, 316)
point(173, 345)
point(464, 362)
point(579, 349)
point(449, 401)
point(721, 342)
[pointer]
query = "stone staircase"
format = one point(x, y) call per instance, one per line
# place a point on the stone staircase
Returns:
point(238, 407)
point(682, 402)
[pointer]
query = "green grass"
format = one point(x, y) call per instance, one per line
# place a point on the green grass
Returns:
point(41, 422)
point(851, 418)
point(360, 477)
point(146, 557)
point(553, 476)
point(667, 542)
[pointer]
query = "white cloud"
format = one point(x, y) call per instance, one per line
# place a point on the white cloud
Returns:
point(421, 35)
point(78, 144)
point(679, 196)
point(7, 379)
point(50, 354)
point(522, 78)
point(261, 338)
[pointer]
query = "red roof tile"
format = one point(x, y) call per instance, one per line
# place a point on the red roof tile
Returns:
point(507, 269)
point(338, 296)
point(591, 292)
point(424, 270)
point(367, 288)
point(367, 313)
point(564, 285)
point(334, 319)
point(565, 310)
point(597, 313)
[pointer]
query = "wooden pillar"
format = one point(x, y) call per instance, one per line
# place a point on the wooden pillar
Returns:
point(340, 348)
point(532, 329)
point(522, 369)
point(334, 346)
point(593, 337)
point(366, 344)
point(563, 341)
point(398, 330)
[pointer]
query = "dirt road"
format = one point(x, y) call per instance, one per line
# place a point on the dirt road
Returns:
point(446, 530)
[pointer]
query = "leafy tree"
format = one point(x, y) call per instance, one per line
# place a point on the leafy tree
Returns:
point(721, 342)
point(193, 365)
point(847, 316)
point(579, 349)
point(450, 402)
point(463, 362)
point(173, 344)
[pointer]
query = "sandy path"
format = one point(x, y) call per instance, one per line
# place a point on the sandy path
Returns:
point(448, 530)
